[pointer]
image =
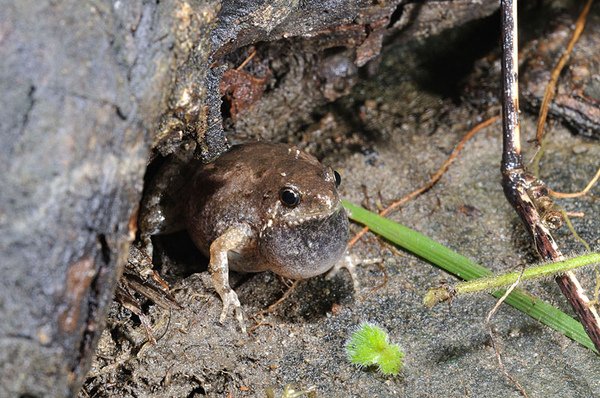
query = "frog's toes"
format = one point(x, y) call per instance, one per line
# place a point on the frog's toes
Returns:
point(230, 299)
point(349, 262)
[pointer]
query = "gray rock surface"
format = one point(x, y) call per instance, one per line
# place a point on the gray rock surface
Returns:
point(84, 87)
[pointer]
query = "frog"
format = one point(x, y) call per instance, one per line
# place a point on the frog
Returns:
point(260, 206)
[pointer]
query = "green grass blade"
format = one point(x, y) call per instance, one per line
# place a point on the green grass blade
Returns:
point(466, 269)
point(436, 295)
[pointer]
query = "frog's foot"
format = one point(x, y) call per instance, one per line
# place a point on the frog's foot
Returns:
point(349, 262)
point(230, 299)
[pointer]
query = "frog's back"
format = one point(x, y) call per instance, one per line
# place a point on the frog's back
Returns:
point(231, 190)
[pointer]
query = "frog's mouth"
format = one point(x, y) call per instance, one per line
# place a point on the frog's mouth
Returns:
point(295, 219)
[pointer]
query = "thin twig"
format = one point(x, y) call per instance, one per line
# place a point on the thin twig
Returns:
point(257, 325)
point(577, 194)
point(433, 180)
point(551, 87)
point(285, 296)
point(511, 128)
point(524, 192)
point(574, 232)
point(248, 59)
point(385, 278)
point(575, 214)
point(493, 340)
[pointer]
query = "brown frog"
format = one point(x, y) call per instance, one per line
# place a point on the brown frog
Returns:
point(258, 207)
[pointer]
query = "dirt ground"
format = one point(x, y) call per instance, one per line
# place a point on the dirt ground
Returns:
point(386, 138)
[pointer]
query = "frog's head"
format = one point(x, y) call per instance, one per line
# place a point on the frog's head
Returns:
point(305, 227)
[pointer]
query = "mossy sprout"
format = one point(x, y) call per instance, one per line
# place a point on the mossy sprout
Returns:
point(369, 346)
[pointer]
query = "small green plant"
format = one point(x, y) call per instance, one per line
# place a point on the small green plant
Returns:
point(369, 346)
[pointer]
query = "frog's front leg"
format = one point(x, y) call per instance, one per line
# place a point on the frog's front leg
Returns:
point(234, 238)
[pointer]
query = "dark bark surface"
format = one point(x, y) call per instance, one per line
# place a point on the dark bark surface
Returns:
point(83, 87)
point(577, 98)
point(90, 91)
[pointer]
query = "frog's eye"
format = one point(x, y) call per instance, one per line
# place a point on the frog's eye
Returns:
point(338, 178)
point(290, 197)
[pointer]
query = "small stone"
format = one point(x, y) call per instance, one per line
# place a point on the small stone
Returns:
point(579, 149)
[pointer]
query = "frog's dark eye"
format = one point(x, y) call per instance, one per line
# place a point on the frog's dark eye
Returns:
point(290, 197)
point(338, 178)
